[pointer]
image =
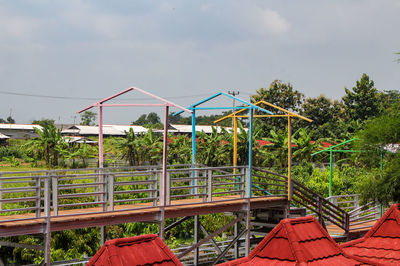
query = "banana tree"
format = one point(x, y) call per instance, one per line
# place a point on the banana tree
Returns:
point(48, 144)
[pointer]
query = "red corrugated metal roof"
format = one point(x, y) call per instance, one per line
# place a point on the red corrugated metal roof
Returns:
point(300, 241)
point(137, 250)
point(382, 242)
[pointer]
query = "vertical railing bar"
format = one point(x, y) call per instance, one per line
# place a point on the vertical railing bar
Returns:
point(95, 179)
point(111, 191)
point(204, 185)
point(46, 192)
point(154, 186)
point(54, 184)
point(209, 183)
point(38, 196)
point(196, 182)
point(168, 188)
point(242, 177)
point(1, 192)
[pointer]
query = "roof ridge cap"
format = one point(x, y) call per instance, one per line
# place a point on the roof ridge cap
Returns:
point(396, 210)
point(294, 242)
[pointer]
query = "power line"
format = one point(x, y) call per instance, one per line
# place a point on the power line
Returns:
point(92, 99)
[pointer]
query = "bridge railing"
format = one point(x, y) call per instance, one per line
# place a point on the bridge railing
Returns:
point(323, 209)
point(265, 182)
point(80, 191)
point(359, 215)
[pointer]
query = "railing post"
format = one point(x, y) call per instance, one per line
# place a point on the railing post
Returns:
point(47, 214)
point(248, 183)
point(54, 184)
point(204, 187)
point(103, 187)
point(111, 191)
point(160, 190)
point(347, 225)
point(1, 192)
point(196, 183)
point(242, 180)
point(168, 188)
point(320, 216)
point(209, 183)
point(46, 195)
point(154, 185)
point(96, 179)
point(38, 196)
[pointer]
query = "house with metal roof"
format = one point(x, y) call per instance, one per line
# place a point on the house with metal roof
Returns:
point(137, 250)
point(108, 130)
point(19, 131)
point(187, 129)
point(381, 244)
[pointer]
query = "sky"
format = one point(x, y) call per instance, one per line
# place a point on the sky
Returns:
point(72, 53)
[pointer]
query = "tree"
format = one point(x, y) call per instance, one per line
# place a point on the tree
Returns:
point(44, 122)
point(9, 120)
point(88, 118)
point(378, 133)
point(128, 147)
point(280, 94)
point(48, 143)
point(152, 119)
point(362, 101)
point(325, 114)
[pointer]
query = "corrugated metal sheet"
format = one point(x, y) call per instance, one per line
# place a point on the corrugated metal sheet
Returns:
point(111, 130)
point(123, 128)
point(137, 250)
point(300, 241)
point(382, 242)
point(20, 126)
point(205, 129)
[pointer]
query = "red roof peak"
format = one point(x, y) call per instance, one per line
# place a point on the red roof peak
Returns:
point(382, 242)
point(137, 250)
point(300, 241)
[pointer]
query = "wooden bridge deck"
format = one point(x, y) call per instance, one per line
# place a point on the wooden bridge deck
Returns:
point(339, 234)
point(141, 212)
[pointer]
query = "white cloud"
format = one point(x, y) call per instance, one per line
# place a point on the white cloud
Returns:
point(273, 22)
point(17, 28)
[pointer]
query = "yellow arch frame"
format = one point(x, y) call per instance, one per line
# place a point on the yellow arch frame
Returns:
point(289, 115)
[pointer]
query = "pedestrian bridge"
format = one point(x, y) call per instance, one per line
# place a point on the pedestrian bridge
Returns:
point(41, 202)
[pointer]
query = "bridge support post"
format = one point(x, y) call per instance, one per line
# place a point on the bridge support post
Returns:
point(161, 226)
point(47, 214)
point(248, 220)
point(1, 193)
point(196, 240)
point(236, 233)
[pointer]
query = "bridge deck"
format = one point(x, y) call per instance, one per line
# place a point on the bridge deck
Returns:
point(339, 234)
point(140, 212)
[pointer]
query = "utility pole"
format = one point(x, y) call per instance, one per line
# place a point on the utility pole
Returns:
point(233, 93)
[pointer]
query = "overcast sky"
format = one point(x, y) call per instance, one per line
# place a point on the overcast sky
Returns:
point(187, 50)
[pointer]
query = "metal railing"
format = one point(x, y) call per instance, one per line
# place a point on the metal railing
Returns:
point(39, 194)
point(325, 211)
point(359, 215)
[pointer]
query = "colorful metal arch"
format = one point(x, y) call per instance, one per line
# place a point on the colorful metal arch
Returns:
point(249, 107)
point(288, 114)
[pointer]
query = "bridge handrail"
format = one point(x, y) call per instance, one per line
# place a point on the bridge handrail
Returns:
point(324, 209)
point(107, 187)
